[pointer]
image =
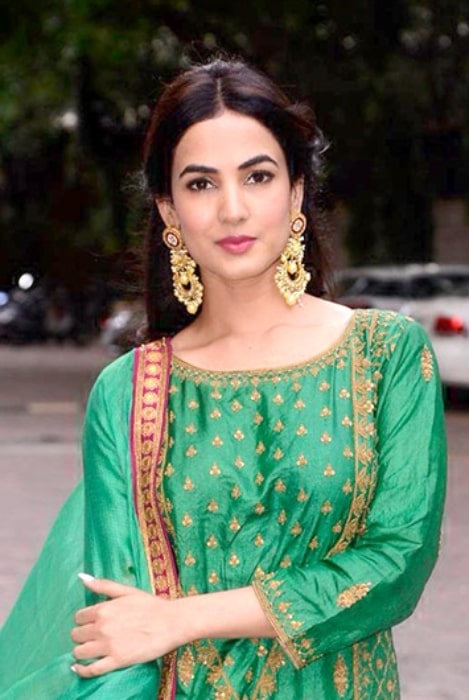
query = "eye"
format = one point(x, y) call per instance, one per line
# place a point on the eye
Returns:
point(259, 177)
point(199, 184)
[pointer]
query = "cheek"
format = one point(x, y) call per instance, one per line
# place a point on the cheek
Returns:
point(276, 211)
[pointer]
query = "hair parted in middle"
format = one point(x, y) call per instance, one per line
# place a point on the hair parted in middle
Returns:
point(200, 93)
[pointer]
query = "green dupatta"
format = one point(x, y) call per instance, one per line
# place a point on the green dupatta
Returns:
point(116, 503)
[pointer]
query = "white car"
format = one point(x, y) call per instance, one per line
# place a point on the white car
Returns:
point(437, 296)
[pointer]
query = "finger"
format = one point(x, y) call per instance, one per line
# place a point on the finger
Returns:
point(105, 586)
point(86, 615)
point(84, 633)
point(97, 668)
point(90, 650)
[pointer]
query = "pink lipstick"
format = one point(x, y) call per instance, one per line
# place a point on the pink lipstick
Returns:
point(236, 244)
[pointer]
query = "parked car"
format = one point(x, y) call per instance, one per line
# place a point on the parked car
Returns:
point(437, 296)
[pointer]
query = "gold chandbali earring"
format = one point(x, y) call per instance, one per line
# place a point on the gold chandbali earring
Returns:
point(187, 287)
point(291, 277)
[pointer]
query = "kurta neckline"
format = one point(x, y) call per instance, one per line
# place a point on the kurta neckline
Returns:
point(201, 373)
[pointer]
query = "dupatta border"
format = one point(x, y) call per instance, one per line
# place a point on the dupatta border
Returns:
point(151, 373)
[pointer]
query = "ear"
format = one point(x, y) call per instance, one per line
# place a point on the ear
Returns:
point(167, 211)
point(296, 195)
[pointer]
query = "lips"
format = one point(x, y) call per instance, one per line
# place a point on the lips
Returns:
point(236, 244)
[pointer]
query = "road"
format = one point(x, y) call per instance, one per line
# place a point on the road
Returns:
point(42, 396)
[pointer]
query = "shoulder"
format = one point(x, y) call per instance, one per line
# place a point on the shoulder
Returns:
point(116, 371)
point(386, 331)
point(393, 343)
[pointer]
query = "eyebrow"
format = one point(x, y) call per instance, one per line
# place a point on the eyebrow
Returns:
point(206, 169)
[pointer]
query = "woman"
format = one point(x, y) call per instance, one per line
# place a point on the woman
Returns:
point(279, 507)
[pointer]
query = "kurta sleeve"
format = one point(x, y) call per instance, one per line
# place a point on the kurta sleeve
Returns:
point(377, 581)
point(111, 536)
point(113, 546)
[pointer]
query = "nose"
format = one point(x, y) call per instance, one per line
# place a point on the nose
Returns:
point(233, 207)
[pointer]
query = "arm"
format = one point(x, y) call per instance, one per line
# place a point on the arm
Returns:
point(377, 581)
point(112, 542)
point(374, 584)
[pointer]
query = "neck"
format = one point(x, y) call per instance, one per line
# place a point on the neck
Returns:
point(248, 308)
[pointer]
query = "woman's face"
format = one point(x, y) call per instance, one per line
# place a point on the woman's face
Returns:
point(231, 197)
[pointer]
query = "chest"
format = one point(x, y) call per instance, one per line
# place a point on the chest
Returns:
point(264, 451)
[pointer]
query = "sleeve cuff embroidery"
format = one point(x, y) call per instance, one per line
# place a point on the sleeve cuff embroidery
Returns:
point(297, 646)
point(352, 595)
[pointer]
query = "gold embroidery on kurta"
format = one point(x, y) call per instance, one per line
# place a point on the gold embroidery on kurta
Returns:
point(188, 484)
point(426, 363)
point(208, 656)
point(278, 454)
point(259, 540)
point(233, 560)
point(296, 529)
point(234, 525)
point(347, 487)
point(259, 508)
point(213, 578)
point(215, 414)
point(302, 496)
point(213, 506)
point(187, 520)
point(302, 430)
point(190, 560)
point(238, 434)
point(212, 542)
point(329, 470)
point(235, 492)
point(301, 461)
point(326, 508)
point(236, 406)
point(279, 426)
point(280, 486)
point(282, 518)
point(191, 451)
point(185, 666)
point(214, 470)
point(259, 478)
point(353, 594)
point(260, 449)
point(239, 462)
point(340, 676)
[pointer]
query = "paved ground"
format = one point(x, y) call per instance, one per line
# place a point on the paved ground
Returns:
point(42, 394)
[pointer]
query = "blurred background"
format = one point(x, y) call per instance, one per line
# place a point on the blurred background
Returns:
point(389, 82)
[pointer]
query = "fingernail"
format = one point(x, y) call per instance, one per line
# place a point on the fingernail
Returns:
point(86, 578)
point(72, 668)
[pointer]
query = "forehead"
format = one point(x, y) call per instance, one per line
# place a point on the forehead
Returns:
point(227, 139)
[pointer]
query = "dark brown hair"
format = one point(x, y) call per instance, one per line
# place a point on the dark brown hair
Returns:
point(201, 93)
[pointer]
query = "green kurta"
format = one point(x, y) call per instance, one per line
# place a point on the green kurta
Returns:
point(321, 484)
